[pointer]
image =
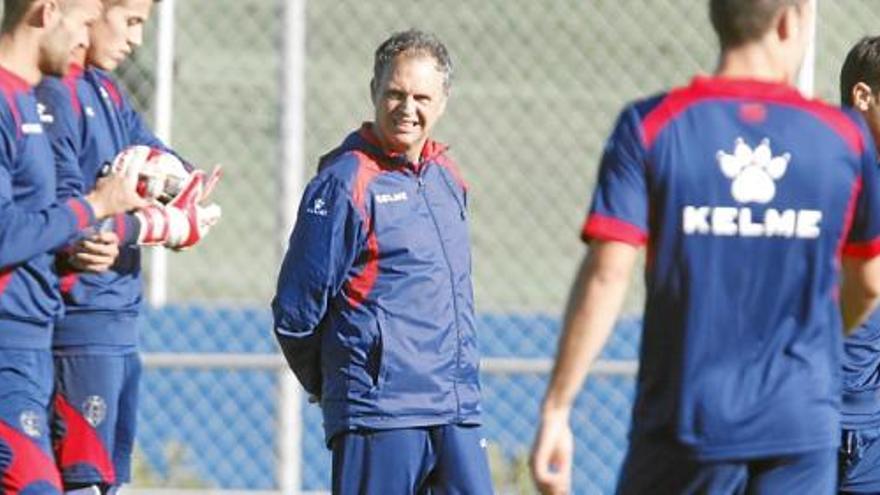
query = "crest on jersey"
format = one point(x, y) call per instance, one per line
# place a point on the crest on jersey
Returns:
point(754, 171)
point(30, 423)
point(94, 409)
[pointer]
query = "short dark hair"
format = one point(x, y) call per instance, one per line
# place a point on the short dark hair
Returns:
point(13, 13)
point(737, 22)
point(862, 64)
point(413, 42)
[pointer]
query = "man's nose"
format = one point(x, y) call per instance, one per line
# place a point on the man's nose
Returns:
point(409, 104)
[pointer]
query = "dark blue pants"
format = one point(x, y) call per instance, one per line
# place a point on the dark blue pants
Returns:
point(651, 468)
point(860, 461)
point(96, 406)
point(26, 464)
point(448, 459)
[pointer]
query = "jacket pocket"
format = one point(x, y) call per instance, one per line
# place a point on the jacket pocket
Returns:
point(375, 359)
point(383, 363)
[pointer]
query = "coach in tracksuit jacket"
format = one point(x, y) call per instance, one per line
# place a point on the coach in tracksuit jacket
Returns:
point(375, 309)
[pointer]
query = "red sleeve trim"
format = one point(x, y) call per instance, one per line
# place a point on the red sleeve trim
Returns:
point(5, 278)
point(864, 250)
point(605, 228)
point(848, 217)
point(67, 282)
point(83, 212)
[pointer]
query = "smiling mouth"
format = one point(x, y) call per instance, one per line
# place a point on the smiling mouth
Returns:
point(406, 126)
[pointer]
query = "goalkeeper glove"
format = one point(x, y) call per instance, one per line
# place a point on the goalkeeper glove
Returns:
point(184, 221)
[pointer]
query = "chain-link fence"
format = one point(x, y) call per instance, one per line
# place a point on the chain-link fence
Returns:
point(536, 88)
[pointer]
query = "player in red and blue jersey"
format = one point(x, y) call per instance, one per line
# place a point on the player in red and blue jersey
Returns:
point(36, 39)
point(860, 449)
point(751, 201)
point(90, 120)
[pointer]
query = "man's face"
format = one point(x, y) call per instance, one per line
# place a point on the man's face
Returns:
point(68, 36)
point(409, 99)
point(117, 33)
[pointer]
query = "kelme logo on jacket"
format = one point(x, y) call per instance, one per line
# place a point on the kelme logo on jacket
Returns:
point(391, 197)
point(319, 208)
point(753, 174)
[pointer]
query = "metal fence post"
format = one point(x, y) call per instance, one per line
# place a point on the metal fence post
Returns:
point(291, 172)
point(158, 288)
point(289, 434)
point(291, 166)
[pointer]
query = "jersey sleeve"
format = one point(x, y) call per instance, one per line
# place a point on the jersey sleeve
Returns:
point(25, 234)
point(61, 124)
point(863, 238)
point(619, 210)
point(324, 244)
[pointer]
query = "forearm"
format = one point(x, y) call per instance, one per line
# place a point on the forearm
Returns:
point(855, 309)
point(594, 303)
point(24, 234)
point(859, 291)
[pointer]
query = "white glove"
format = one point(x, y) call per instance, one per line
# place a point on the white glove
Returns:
point(184, 221)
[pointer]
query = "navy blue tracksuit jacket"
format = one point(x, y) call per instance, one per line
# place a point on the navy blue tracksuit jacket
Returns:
point(89, 120)
point(374, 308)
point(32, 221)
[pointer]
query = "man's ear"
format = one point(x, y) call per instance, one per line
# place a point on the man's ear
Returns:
point(862, 96)
point(788, 22)
point(443, 103)
point(34, 15)
point(373, 89)
point(44, 13)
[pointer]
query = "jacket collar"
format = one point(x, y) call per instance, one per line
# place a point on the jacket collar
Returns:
point(367, 141)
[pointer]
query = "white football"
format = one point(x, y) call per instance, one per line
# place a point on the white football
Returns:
point(154, 173)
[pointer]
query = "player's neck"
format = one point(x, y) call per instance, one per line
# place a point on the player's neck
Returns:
point(755, 62)
point(19, 54)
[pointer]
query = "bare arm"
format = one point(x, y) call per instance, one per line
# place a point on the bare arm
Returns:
point(594, 303)
point(859, 291)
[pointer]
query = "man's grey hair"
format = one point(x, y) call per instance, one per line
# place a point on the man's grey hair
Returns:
point(413, 43)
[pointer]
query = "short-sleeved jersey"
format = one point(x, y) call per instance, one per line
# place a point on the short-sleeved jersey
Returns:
point(89, 120)
point(32, 222)
point(746, 195)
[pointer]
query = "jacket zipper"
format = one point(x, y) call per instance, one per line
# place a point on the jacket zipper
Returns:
point(421, 183)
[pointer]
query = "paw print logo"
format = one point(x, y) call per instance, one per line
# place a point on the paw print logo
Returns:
point(754, 171)
point(319, 208)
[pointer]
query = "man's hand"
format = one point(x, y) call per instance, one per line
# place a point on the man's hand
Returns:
point(114, 194)
point(189, 215)
point(552, 452)
point(593, 304)
point(95, 254)
point(184, 221)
